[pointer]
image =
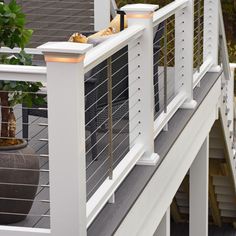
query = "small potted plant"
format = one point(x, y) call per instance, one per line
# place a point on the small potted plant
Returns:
point(19, 167)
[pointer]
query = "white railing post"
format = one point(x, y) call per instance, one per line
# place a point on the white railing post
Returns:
point(142, 78)
point(102, 14)
point(211, 32)
point(65, 84)
point(184, 26)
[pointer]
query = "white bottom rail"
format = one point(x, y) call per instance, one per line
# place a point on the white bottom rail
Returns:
point(23, 231)
point(163, 118)
point(108, 187)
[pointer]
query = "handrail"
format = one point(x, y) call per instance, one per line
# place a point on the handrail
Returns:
point(31, 51)
point(167, 11)
point(106, 49)
point(224, 49)
point(23, 73)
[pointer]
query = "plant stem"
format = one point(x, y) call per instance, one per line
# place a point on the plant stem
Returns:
point(5, 113)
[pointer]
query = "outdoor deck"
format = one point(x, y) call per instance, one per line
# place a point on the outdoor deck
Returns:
point(40, 212)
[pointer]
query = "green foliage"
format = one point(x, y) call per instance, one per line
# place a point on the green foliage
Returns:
point(13, 34)
point(12, 26)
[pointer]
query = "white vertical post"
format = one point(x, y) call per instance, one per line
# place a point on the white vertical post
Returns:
point(142, 75)
point(184, 26)
point(164, 226)
point(211, 32)
point(65, 84)
point(102, 14)
point(199, 192)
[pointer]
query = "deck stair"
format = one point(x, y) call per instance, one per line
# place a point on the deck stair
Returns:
point(222, 194)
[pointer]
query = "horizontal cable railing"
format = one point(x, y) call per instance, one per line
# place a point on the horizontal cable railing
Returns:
point(24, 168)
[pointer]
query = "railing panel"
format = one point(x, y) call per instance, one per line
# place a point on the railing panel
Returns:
point(24, 168)
point(164, 65)
point(109, 109)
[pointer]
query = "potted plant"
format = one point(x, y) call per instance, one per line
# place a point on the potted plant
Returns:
point(19, 167)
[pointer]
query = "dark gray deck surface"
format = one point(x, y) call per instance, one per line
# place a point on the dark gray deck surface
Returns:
point(112, 214)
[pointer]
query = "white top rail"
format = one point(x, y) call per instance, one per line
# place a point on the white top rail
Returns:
point(225, 56)
point(106, 49)
point(23, 73)
point(233, 65)
point(31, 51)
point(167, 11)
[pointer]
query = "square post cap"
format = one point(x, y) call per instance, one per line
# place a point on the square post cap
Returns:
point(64, 51)
point(140, 8)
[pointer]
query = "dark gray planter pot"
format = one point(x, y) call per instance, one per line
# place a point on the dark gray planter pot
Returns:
point(19, 178)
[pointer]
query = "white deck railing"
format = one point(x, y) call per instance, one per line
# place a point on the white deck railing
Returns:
point(67, 64)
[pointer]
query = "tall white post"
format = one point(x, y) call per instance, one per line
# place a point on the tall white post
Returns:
point(211, 32)
point(66, 119)
point(141, 79)
point(102, 14)
point(184, 26)
point(199, 192)
point(164, 227)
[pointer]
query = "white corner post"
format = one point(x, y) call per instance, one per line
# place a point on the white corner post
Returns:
point(184, 26)
point(66, 120)
point(164, 226)
point(102, 14)
point(211, 32)
point(199, 192)
point(141, 87)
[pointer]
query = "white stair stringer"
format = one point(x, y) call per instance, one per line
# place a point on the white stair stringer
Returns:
point(229, 141)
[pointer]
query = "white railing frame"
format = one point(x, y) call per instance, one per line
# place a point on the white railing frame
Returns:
point(102, 14)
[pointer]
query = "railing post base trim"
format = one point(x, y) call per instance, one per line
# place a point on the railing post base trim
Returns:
point(216, 69)
point(149, 160)
point(189, 104)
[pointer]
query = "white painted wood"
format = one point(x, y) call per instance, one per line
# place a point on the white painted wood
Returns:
point(167, 11)
point(198, 75)
point(172, 107)
point(184, 27)
point(112, 199)
point(228, 141)
point(23, 231)
point(31, 51)
point(164, 227)
point(211, 31)
point(139, 9)
point(66, 141)
point(171, 172)
point(110, 46)
point(23, 73)
point(108, 187)
point(141, 14)
point(113, 8)
point(224, 47)
point(65, 48)
point(102, 14)
point(199, 175)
